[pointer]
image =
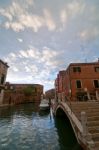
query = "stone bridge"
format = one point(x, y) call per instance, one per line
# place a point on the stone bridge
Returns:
point(84, 119)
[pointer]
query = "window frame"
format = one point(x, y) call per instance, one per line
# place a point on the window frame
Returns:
point(96, 68)
point(80, 84)
point(94, 83)
point(77, 69)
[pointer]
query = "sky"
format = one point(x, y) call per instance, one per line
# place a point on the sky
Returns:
point(38, 38)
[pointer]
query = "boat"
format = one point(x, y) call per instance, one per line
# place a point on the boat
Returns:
point(44, 105)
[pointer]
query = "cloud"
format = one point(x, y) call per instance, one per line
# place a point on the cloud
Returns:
point(48, 20)
point(33, 65)
point(19, 18)
point(75, 7)
point(89, 33)
point(20, 40)
point(30, 53)
point(63, 16)
point(6, 14)
point(15, 69)
point(70, 10)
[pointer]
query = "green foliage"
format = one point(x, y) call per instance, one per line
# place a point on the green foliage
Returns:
point(30, 90)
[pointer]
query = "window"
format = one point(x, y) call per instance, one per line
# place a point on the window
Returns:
point(96, 83)
point(2, 79)
point(78, 84)
point(96, 69)
point(76, 69)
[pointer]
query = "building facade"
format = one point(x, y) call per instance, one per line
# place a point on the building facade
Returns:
point(22, 93)
point(50, 94)
point(3, 73)
point(59, 85)
point(80, 81)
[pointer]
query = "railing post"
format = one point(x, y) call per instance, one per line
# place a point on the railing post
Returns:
point(84, 123)
point(97, 95)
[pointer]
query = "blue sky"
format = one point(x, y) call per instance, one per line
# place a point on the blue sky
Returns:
point(40, 37)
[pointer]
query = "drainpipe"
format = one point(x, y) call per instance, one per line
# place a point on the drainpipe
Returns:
point(70, 84)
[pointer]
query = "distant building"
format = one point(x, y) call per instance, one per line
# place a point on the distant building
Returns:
point(80, 82)
point(59, 85)
point(50, 94)
point(22, 93)
point(3, 73)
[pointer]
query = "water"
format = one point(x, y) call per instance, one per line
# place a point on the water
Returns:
point(23, 127)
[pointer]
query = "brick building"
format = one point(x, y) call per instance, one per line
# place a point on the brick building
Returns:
point(3, 73)
point(80, 81)
point(22, 93)
point(59, 92)
point(50, 94)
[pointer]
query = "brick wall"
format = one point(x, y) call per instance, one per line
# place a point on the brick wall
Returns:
point(14, 94)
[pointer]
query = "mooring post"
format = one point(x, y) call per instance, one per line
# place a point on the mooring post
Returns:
point(84, 123)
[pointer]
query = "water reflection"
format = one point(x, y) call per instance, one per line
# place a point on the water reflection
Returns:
point(66, 135)
point(44, 113)
point(25, 127)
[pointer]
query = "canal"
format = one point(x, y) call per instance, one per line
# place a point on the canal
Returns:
point(24, 127)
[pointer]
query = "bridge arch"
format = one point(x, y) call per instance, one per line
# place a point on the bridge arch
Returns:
point(62, 112)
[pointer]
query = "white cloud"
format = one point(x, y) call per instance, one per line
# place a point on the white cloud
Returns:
point(32, 65)
point(6, 14)
point(19, 18)
point(12, 55)
point(15, 69)
point(16, 26)
point(20, 40)
point(89, 33)
point(31, 21)
point(34, 53)
point(63, 16)
point(69, 11)
point(49, 20)
point(23, 53)
point(75, 7)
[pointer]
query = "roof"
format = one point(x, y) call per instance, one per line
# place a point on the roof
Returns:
point(83, 64)
point(23, 84)
point(89, 63)
point(4, 63)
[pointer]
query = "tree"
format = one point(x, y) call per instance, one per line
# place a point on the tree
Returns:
point(28, 91)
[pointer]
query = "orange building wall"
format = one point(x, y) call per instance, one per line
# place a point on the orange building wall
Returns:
point(87, 77)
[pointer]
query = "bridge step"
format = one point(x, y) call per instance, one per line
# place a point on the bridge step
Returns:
point(93, 123)
point(84, 106)
point(92, 113)
point(95, 136)
point(94, 129)
point(97, 145)
point(86, 109)
point(93, 118)
point(89, 115)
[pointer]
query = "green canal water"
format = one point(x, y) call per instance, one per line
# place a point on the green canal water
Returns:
point(24, 127)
